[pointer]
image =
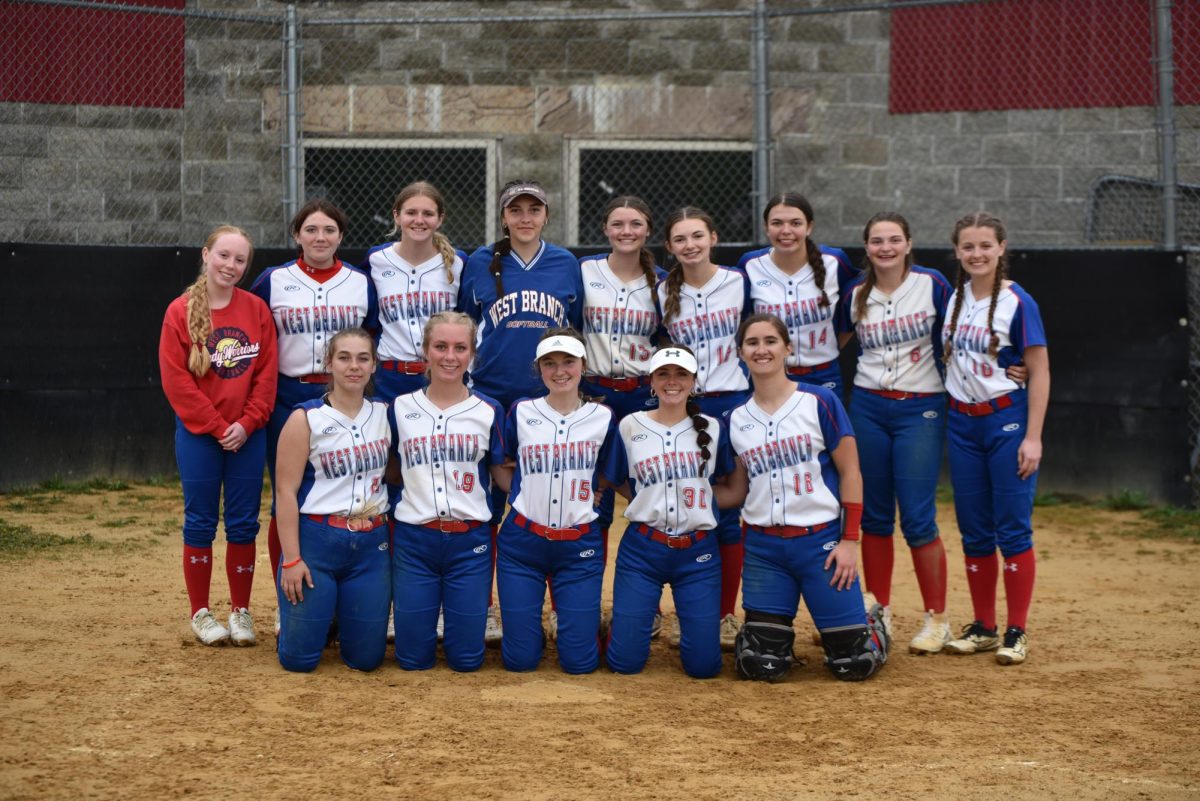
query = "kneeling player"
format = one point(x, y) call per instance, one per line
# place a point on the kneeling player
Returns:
point(796, 459)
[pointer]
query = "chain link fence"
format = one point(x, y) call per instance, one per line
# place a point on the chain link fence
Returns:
point(147, 123)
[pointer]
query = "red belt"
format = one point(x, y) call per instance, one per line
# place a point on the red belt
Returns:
point(350, 523)
point(982, 409)
point(816, 368)
point(545, 532)
point(622, 384)
point(407, 368)
point(314, 378)
point(787, 532)
point(671, 540)
point(892, 394)
point(452, 526)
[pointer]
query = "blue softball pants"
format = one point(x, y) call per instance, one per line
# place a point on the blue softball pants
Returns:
point(729, 526)
point(352, 583)
point(900, 452)
point(778, 572)
point(830, 378)
point(524, 561)
point(994, 506)
point(643, 567)
point(204, 468)
point(432, 571)
point(623, 404)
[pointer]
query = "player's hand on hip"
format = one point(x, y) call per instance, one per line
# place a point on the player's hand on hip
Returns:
point(1017, 372)
point(293, 580)
point(844, 559)
point(1029, 457)
point(234, 437)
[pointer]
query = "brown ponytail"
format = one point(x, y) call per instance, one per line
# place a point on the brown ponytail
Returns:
point(675, 270)
point(796, 200)
point(703, 438)
point(440, 242)
point(864, 292)
point(645, 257)
point(981, 219)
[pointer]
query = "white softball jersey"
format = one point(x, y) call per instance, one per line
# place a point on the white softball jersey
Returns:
point(900, 336)
point(972, 376)
point(308, 312)
point(347, 457)
point(670, 479)
point(445, 455)
point(409, 294)
point(793, 481)
point(619, 321)
point(557, 458)
point(707, 322)
point(796, 300)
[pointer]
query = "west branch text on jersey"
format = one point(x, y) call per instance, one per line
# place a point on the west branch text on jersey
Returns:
point(415, 305)
point(905, 328)
point(528, 301)
point(777, 455)
point(440, 448)
point(670, 466)
point(556, 458)
point(355, 459)
point(317, 319)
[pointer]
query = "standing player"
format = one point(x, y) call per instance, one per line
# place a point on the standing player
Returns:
point(217, 359)
point(515, 290)
point(620, 321)
point(798, 283)
point(702, 305)
point(311, 299)
point(995, 432)
point(798, 461)
point(557, 445)
point(447, 440)
point(332, 508)
point(898, 411)
point(671, 461)
point(414, 278)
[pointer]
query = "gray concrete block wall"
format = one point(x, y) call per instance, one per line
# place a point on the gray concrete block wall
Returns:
point(128, 175)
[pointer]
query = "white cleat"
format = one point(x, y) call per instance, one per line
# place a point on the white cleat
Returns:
point(552, 626)
point(493, 633)
point(241, 627)
point(933, 636)
point(730, 626)
point(207, 629)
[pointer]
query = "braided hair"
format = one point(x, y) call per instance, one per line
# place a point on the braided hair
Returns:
point(980, 219)
point(645, 257)
point(699, 421)
point(864, 292)
point(816, 261)
point(440, 242)
point(199, 312)
point(674, 279)
point(503, 247)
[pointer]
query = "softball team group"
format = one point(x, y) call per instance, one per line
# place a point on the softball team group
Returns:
point(434, 423)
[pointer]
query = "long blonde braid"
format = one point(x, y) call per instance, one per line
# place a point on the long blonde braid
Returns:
point(199, 323)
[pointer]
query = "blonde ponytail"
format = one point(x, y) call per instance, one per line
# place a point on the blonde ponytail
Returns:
point(199, 322)
point(442, 243)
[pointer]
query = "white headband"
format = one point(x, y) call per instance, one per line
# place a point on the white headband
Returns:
point(560, 344)
point(677, 356)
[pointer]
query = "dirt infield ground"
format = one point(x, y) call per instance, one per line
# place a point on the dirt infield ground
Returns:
point(106, 694)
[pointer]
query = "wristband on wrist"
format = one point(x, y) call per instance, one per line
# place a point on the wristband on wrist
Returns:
point(292, 563)
point(852, 524)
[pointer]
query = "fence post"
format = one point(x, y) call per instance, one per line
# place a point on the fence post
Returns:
point(291, 128)
point(1168, 173)
point(762, 111)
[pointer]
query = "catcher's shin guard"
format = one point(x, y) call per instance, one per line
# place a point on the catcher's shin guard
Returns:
point(852, 654)
point(763, 651)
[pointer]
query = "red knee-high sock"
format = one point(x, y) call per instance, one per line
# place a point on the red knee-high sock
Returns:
point(929, 563)
point(495, 530)
point(239, 568)
point(1019, 572)
point(274, 549)
point(731, 576)
point(197, 574)
point(878, 555)
point(982, 573)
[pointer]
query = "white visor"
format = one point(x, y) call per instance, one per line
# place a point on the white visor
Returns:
point(568, 345)
point(677, 356)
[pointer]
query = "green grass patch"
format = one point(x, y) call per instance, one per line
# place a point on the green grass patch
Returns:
point(1127, 501)
point(18, 540)
point(1173, 522)
point(120, 522)
point(57, 485)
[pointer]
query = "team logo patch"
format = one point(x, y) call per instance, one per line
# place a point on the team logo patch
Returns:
point(231, 351)
point(481, 549)
point(652, 402)
point(291, 288)
point(597, 285)
point(764, 282)
point(1012, 426)
point(747, 427)
point(704, 557)
point(330, 430)
point(830, 385)
point(383, 546)
point(638, 437)
point(412, 416)
point(587, 553)
point(930, 415)
point(533, 421)
point(388, 273)
point(829, 546)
